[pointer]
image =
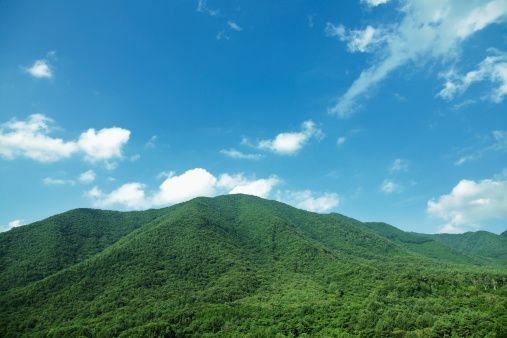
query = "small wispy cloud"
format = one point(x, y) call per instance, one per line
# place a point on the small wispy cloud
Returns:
point(151, 142)
point(234, 26)
point(238, 154)
point(202, 6)
point(55, 181)
point(399, 165)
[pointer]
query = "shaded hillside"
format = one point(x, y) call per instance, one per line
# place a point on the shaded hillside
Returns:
point(35, 251)
point(234, 265)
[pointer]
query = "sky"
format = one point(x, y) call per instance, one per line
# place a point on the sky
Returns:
point(382, 110)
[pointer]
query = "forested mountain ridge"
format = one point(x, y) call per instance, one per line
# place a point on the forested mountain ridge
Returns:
point(490, 247)
point(234, 265)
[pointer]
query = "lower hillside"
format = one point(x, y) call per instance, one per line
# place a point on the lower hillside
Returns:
point(238, 265)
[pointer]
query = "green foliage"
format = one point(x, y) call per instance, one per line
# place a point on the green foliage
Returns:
point(239, 266)
point(490, 247)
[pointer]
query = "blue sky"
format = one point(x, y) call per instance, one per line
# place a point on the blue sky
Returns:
point(390, 111)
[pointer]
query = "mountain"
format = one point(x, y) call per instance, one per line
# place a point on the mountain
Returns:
point(239, 265)
point(489, 247)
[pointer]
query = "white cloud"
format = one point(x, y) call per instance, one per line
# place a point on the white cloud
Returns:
point(16, 223)
point(151, 142)
point(40, 69)
point(388, 187)
point(429, 30)
point(306, 200)
point(131, 195)
point(234, 26)
point(400, 97)
point(310, 21)
point(87, 176)
point(53, 181)
point(374, 3)
point(94, 193)
point(471, 203)
point(221, 35)
point(30, 139)
point(291, 143)
point(193, 183)
point(166, 174)
point(399, 165)
point(500, 144)
point(364, 41)
point(203, 7)
point(501, 140)
point(493, 69)
point(341, 140)
point(104, 144)
point(175, 189)
point(240, 185)
point(238, 154)
point(466, 158)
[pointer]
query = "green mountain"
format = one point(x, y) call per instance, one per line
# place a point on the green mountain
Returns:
point(489, 247)
point(239, 265)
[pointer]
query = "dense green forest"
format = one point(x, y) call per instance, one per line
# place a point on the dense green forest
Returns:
point(240, 265)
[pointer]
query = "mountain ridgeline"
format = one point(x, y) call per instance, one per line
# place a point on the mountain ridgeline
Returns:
point(240, 265)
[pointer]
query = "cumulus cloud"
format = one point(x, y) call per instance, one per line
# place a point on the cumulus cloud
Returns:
point(238, 154)
point(131, 195)
point(175, 189)
point(87, 176)
point(307, 201)
point(291, 143)
point(429, 30)
point(104, 144)
point(469, 204)
point(237, 184)
point(388, 187)
point(42, 68)
point(492, 69)
point(193, 183)
point(31, 139)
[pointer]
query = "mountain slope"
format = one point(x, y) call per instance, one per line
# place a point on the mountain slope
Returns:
point(418, 244)
point(490, 247)
point(233, 265)
point(35, 251)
